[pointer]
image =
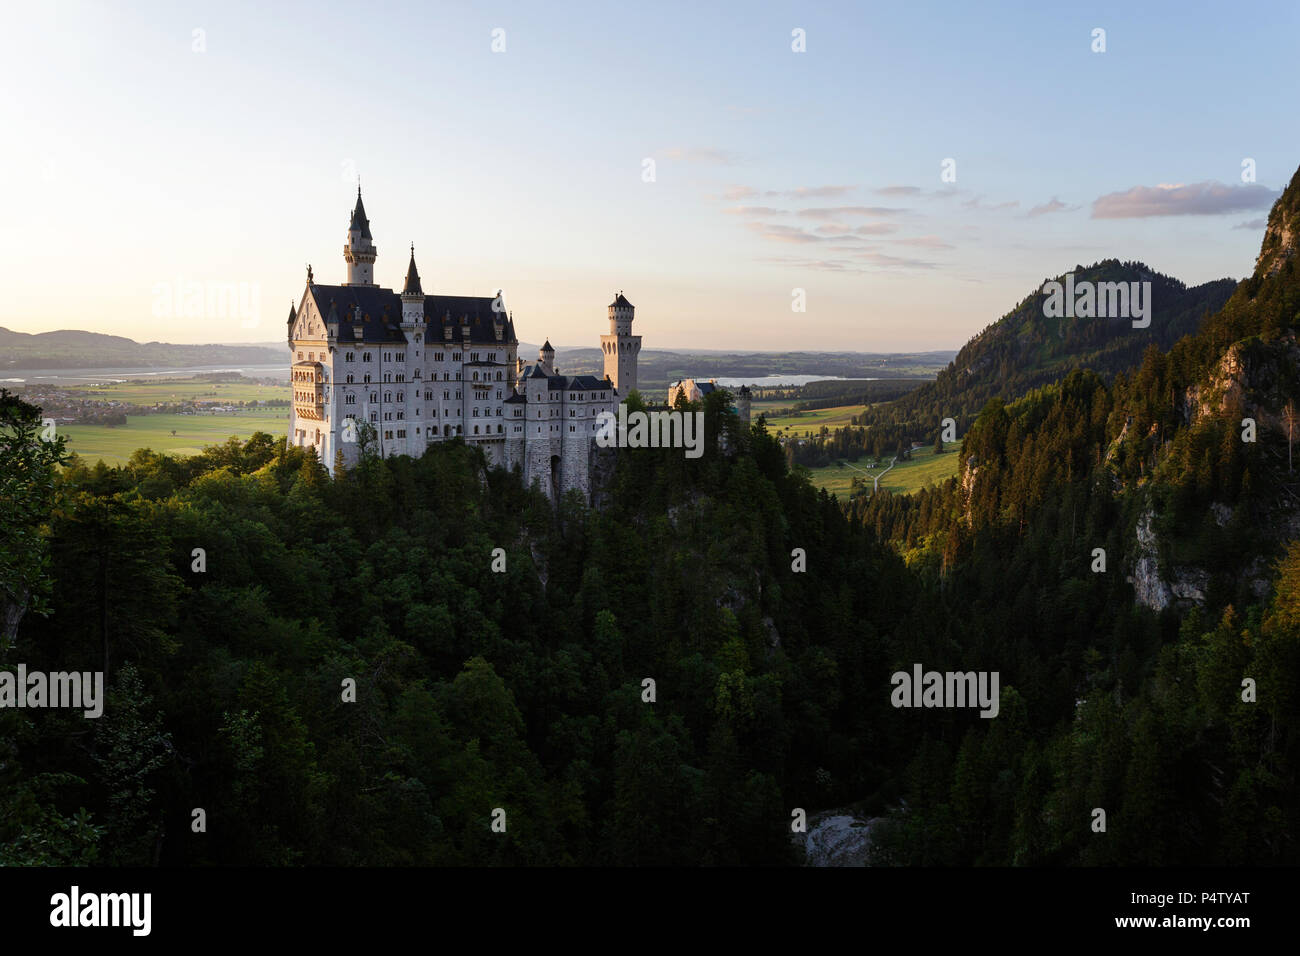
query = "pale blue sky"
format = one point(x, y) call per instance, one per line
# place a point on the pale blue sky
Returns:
point(137, 166)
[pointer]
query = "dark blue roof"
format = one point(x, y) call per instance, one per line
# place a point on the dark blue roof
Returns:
point(381, 314)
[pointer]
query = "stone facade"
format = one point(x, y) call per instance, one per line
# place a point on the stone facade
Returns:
point(407, 370)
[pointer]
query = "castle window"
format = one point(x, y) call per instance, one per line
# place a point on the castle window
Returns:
point(500, 429)
point(366, 379)
point(476, 376)
point(374, 397)
point(401, 433)
point(299, 356)
point(388, 434)
point(347, 357)
point(401, 376)
point(388, 356)
point(388, 376)
point(350, 400)
point(446, 430)
point(401, 356)
point(498, 376)
point(401, 396)
point(473, 357)
point(572, 413)
point(349, 378)
point(388, 396)
point(374, 416)
point(455, 356)
point(365, 356)
point(401, 416)
point(475, 429)
point(476, 413)
point(446, 396)
point(571, 428)
point(437, 356)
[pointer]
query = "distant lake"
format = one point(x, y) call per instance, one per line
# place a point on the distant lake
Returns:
point(89, 376)
point(770, 381)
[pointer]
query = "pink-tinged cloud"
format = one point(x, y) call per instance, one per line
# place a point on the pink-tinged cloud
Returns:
point(700, 154)
point(1051, 206)
point(819, 192)
point(1197, 199)
point(767, 230)
point(833, 212)
point(737, 193)
point(899, 191)
point(978, 203)
point(924, 242)
point(876, 229)
point(754, 211)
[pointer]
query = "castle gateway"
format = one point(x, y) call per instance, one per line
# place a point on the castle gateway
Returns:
point(419, 369)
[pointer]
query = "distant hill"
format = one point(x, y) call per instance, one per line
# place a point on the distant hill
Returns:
point(68, 348)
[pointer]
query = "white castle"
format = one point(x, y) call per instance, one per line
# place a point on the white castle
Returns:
point(420, 369)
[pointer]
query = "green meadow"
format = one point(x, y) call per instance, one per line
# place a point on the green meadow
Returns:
point(192, 433)
point(187, 390)
point(811, 421)
point(925, 468)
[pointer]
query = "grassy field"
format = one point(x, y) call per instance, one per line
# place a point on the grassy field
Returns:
point(179, 390)
point(811, 422)
point(193, 433)
point(925, 468)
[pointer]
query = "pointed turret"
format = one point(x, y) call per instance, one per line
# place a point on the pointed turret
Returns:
point(360, 251)
point(412, 286)
point(293, 317)
point(359, 221)
point(412, 297)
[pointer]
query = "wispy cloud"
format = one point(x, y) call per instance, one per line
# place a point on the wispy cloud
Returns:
point(834, 212)
point(700, 154)
point(1177, 199)
point(819, 192)
point(1252, 224)
point(924, 242)
point(899, 191)
point(1047, 208)
point(754, 211)
point(978, 203)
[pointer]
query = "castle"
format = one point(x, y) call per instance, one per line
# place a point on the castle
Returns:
point(405, 370)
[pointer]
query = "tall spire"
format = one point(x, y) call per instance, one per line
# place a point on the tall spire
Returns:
point(359, 220)
point(412, 286)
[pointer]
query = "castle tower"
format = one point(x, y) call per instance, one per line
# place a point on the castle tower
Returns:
point(743, 398)
point(412, 297)
point(360, 250)
point(621, 347)
point(546, 358)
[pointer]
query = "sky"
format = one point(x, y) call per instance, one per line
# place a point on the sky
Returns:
point(907, 177)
